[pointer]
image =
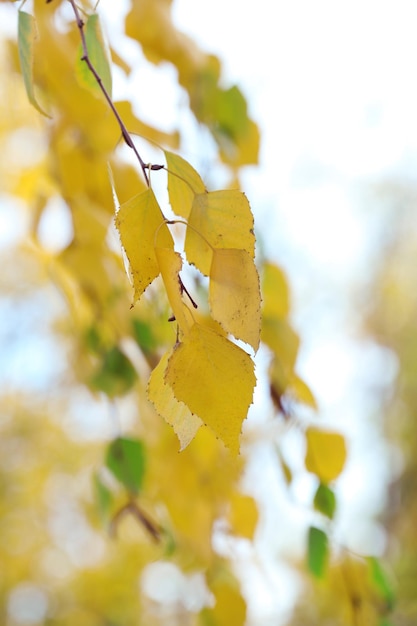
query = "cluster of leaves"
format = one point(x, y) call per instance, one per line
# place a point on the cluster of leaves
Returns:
point(196, 369)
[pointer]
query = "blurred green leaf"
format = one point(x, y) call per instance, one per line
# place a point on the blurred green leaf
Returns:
point(26, 39)
point(126, 460)
point(381, 582)
point(325, 501)
point(103, 497)
point(143, 335)
point(317, 551)
point(99, 56)
point(116, 375)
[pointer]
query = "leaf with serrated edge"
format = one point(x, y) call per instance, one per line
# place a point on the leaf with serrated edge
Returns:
point(26, 38)
point(139, 221)
point(175, 413)
point(183, 184)
point(218, 219)
point(234, 295)
point(215, 379)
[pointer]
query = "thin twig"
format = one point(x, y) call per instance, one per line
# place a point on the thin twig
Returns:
point(125, 133)
point(133, 508)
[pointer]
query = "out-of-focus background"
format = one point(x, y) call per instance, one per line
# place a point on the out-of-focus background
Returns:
point(331, 87)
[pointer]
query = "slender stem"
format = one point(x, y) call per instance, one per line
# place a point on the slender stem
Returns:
point(125, 133)
point(133, 508)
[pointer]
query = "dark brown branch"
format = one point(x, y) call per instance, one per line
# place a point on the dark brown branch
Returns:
point(125, 133)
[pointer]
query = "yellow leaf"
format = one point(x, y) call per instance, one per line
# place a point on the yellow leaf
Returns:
point(170, 264)
point(326, 454)
point(218, 219)
point(215, 379)
point(234, 296)
point(138, 221)
point(243, 515)
point(302, 392)
point(183, 184)
point(278, 335)
point(275, 293)
point(138, 127)
point(230, 607)
point(175, 413)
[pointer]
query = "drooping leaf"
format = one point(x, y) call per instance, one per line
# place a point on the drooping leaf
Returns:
point(215, 379)
point(184, 183)
point(139, 221)
point(275, 293)
point(278, 335)
point(174, 412)
point(302, 392)
point(26, 38)
point(234, 296)
point(218, 219)
point(99, 55)
point(381, 581)
point(170, 264)
point(326, 453)
point(317, 551)
point(325, 501)
point(125, 458)
point(103, 497)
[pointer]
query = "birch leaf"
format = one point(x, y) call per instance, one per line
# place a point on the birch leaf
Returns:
point(99, 56)
point(215, 379)
point(175, 413)
point(275, 292)
point(326, 454)
point(26, 38)
point(125, 458)
point(138, 221)
point(218, 219)
point(234, 295)
point(317, 551)
point(183, 184)
point(243, 515)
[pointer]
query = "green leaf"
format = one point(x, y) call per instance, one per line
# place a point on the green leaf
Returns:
point(143, 335)
point(99, 56)
point(317, 552)
point(103, 497)
point(116, 375)
point(126, 460)
point(381, 582)
point(26, 37)
point(325, 501)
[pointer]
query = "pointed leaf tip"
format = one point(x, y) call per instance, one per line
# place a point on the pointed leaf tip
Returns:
point(138, 221)
point(27, 34)
point(215, 379)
